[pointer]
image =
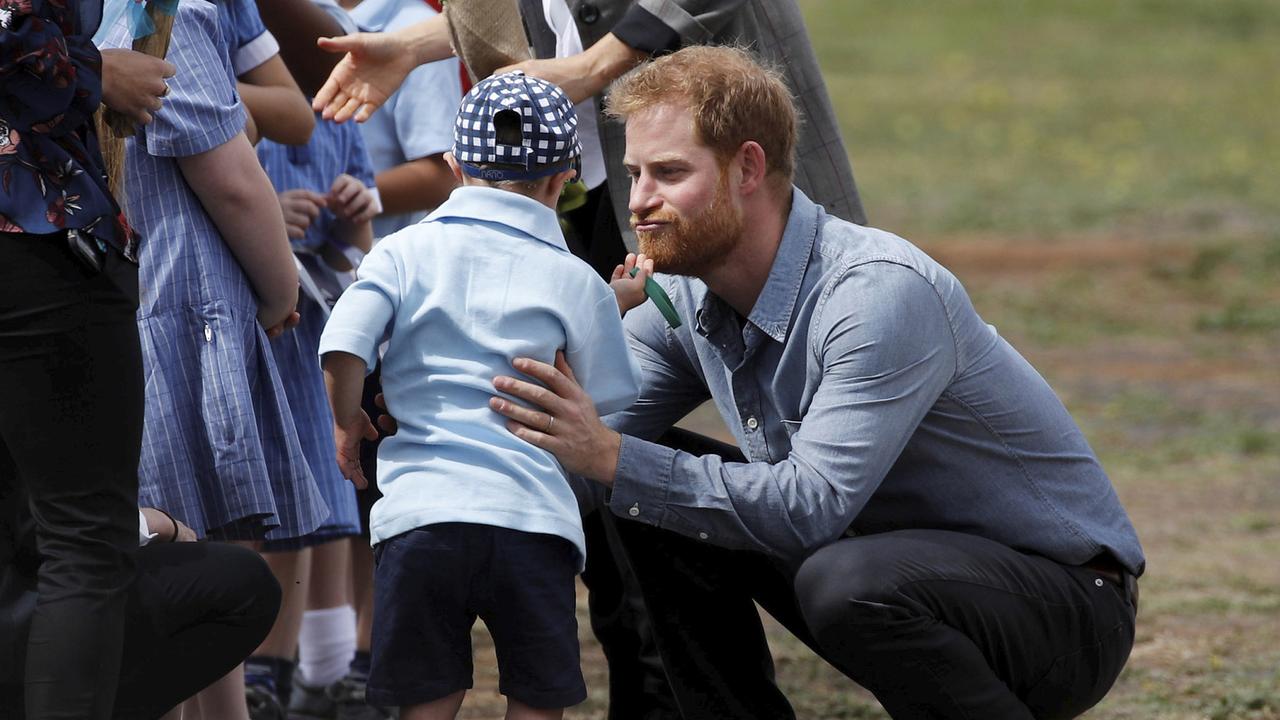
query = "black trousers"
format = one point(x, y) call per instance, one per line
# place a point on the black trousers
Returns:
point(195, 612)
point(936, 624)
point(70, 433)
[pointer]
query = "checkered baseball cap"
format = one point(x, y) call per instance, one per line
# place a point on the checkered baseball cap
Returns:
point(548, 137)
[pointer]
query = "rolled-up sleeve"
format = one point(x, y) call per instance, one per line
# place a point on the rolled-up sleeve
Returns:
point(882, 344)
point(656, 26)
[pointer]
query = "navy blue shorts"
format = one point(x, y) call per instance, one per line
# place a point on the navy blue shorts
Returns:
point(430, 585)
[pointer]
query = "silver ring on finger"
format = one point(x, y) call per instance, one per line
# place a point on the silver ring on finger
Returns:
point(550, 422)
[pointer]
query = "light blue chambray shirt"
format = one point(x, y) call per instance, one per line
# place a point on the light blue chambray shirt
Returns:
point(868, 396)
point(484, 279)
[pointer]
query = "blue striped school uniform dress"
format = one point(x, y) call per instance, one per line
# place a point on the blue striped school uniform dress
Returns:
point(220, 450)
point(333, 149)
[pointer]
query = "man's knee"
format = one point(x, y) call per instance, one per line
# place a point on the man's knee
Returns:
point(849, 588)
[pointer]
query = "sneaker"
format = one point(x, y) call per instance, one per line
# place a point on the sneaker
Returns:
point(311, 702)
point(263, 703)
point(348, 694)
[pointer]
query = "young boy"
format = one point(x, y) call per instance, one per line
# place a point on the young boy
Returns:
point(474, 521)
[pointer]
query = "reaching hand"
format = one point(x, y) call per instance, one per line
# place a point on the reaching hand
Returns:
point(374, 67)
point(350, 200)
point(133, 83)
point(300, 208)
point(628, 288)
point(347, 436)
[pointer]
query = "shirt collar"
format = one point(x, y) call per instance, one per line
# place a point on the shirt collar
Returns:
point(773, 309)
point(491, 205)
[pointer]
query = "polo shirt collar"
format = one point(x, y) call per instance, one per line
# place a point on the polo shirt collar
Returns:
point(492, 205)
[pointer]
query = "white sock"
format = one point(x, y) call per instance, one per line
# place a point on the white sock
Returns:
point(326, 644)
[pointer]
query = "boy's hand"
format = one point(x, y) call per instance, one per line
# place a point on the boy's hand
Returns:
point(300, 208)
point(630, 290)
point(348, 435)
point(350, 200)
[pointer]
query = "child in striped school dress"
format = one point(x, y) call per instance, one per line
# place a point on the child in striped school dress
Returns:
point(220, 447)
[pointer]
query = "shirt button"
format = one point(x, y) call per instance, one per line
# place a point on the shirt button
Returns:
point(634, 510)
point(1098, 582)
point(752, 423)
point(702, 536)
point(588, 13)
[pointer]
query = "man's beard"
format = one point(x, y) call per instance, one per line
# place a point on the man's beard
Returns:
point(692, 245)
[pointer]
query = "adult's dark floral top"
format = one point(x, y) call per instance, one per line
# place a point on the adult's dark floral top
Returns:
point(51, 170)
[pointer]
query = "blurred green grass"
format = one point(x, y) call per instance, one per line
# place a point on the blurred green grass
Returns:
point(1019, 116)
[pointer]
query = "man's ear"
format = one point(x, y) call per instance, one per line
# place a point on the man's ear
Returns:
point(454, 166)
point(752, 167)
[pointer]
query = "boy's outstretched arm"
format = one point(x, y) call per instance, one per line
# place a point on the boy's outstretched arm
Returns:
point(344, 381)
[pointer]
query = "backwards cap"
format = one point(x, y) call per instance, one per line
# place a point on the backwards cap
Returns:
point(547, 124)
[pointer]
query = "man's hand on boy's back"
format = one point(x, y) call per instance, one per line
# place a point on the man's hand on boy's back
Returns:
point(300, 208)
point(351, 200)
point(628, 288)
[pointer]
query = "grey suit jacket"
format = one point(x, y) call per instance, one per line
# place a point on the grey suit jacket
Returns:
point(772, 29)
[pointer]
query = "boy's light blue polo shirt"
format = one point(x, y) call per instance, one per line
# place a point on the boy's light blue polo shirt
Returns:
point(484, 279)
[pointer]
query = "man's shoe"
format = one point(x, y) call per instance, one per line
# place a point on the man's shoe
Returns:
point(263, 703)
point(348, 694)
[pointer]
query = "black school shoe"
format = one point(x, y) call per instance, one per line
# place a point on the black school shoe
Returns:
point(343, 700)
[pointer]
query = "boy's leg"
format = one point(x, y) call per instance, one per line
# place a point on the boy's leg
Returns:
point(446, 708)
point(422, 616)
point(517, 710)
point(527, 600)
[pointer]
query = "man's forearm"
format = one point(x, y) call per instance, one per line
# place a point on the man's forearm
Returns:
point(609, 59)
